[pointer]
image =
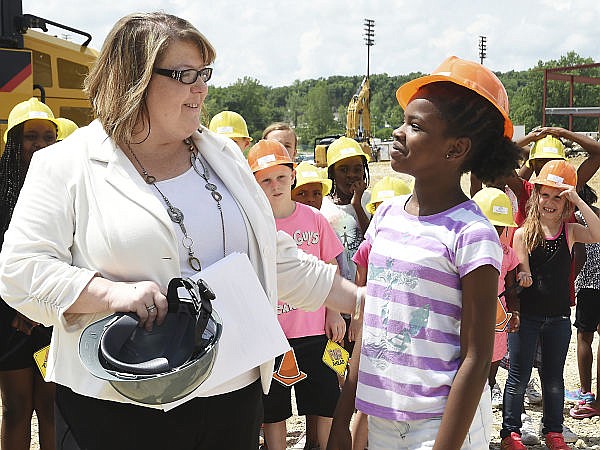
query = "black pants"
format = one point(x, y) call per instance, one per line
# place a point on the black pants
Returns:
point(229, 421)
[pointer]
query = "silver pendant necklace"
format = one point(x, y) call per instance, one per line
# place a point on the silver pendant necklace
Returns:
point(175, 214)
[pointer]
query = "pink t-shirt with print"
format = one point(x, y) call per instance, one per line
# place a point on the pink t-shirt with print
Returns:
point(313, 234)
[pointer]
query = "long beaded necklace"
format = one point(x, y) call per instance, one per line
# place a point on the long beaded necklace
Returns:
point(175, 214)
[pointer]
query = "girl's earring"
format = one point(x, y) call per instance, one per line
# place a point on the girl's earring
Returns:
point(448, 156)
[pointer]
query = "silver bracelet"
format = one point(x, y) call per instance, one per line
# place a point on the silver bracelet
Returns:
point(358, 304)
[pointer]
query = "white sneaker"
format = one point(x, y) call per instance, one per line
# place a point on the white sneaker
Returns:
point(529, 435)
point(532, 392)
point(496, 397)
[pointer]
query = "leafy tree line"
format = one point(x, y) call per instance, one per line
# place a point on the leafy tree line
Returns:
point(318, 107)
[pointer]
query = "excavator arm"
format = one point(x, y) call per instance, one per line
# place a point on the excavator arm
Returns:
point(358, 116)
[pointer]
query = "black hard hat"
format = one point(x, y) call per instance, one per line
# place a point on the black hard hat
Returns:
point(162, 365)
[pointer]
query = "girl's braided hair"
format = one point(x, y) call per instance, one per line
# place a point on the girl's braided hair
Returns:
point(11, 177)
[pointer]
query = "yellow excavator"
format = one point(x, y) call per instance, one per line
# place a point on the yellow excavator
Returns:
point(358, 125)
point(38, 64)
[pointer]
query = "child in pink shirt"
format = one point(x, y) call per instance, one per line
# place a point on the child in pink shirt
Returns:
point(307, 332)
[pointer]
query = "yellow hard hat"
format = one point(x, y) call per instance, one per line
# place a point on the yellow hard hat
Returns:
point(548, 147)
point(307, 173)
point(496, 206)
point(266, 153)
point(230, 124)
point(385, 188)
point(343, 148)
point(27, 110)
point(65, 127)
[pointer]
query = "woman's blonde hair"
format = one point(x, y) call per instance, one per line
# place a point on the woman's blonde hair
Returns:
point(533, 235)
point(118, 82)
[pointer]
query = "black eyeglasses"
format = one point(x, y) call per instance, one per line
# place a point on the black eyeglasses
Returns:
point(188, 76)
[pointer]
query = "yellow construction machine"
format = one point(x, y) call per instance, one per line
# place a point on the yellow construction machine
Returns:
point(358, 125)
point(38, 64)
point(358, 114)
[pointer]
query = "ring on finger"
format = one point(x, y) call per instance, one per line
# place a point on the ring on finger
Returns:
point(151, 308)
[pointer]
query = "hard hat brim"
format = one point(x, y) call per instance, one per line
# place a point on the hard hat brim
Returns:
point(148, 389)
point(326, 184)
point(236, 135)
point(544, 156)
point(498, 223)
point(49, 119)
point(550, 183)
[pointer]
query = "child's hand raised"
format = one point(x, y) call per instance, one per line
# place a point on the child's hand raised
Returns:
point(358, 188)
point(570, 194)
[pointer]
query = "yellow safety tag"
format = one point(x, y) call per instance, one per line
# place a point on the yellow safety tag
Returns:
point(41, 359)
point(336, 357)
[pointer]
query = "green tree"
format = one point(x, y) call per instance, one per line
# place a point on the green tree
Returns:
point(319, 115)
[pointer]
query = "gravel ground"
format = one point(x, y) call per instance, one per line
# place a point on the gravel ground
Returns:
point(587, 430)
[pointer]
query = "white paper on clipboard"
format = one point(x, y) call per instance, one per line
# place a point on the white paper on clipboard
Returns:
point(251, 332)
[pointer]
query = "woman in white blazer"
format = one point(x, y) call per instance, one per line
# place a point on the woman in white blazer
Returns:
point(142, 195)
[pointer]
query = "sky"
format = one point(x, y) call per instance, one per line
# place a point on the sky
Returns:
point(277, 42)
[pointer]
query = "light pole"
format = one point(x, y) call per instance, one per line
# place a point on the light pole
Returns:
point(482, 48)
point(369, 39)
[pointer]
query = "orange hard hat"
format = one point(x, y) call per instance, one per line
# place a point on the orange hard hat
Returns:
point(468, 74)
point(557, 173)
point(266, 153)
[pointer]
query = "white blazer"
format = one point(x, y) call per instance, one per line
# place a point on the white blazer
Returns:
point(84, 209)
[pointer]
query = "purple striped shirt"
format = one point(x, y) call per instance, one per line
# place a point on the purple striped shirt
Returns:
point(411, 332)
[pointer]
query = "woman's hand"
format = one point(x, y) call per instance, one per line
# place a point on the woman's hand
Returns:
point(23, 324)
point(335, 326)
point(524, 279)
point(143, 298)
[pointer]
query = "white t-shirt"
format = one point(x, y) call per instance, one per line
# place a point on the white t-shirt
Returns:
point(202, 222)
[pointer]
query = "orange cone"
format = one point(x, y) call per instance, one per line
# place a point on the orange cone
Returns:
point(289, 373)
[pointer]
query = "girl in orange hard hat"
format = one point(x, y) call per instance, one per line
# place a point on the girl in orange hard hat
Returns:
point(544, 246)
point(429, 314)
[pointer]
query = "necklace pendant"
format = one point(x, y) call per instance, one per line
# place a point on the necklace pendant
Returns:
point(217, 196)
point(210, 186)
point(149, 179)
point(194, 263)
point(175, 214)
